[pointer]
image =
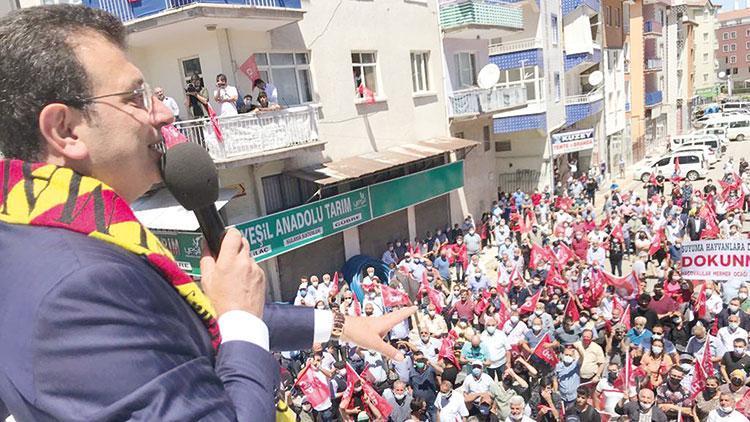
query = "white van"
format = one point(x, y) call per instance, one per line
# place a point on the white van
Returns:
point(692, 166)
point(708, 153)
point(735, 105)
point(693, 138)
point(720, 132)
point(737, 127)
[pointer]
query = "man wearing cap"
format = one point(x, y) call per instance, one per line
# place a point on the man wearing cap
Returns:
point(736, 385)
point(477, 390)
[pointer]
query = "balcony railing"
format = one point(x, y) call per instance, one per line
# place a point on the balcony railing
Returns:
point(455, 13)
point(473, 101)
point(127, 10)
point(653, 98)
point(513, 46)
point(254, 133)
point(627, 106)
point(652, 27)
point(653, 64)
point(585, 98)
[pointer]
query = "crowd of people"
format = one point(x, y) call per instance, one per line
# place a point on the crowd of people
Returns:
point(548, 308)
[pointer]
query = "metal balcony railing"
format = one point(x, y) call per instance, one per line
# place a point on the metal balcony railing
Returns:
point(653, 98)
point(127, 10)
point(513, 46)
point(474, 101)
point(254, 133)
point(653, 64)
point(585, 98)
point(454, 13)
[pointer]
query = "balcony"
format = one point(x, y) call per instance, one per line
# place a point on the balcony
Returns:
point(653, 28)
point(592, 7)
point(262, 15)
point(596, 95)
point(652, 65)
point(653, 98)
point(515, 46)
point(579, 107)
point(627, 107)
point(249, 137)
point(472, 19)
point(582, 60)
point(474, 101)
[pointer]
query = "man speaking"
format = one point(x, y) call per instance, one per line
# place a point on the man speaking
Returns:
point(97, 322)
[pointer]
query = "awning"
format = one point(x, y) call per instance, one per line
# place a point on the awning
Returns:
point(160, 211)
point(373, 162)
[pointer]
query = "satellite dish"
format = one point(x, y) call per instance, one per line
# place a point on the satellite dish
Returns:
point(488, 76)
point(722, 74)
point(596, 78)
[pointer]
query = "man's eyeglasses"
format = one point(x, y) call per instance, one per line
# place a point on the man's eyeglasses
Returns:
point(143, 96)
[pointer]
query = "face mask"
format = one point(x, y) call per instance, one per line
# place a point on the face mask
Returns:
point(399, 396)
point(611, 377)
point(726, 409)
point(658, 336)
point(656, 349)
point(677, 320)
point(733, 325)
point(711, 391)
point(303, 293)
point(709, 293)
point(583, 320)
point(742, 296)
point(368, 313)
point(369, 274)
point(431, 313)
point(539, 312)
point(342, 372)
point(419, 365)
point(567, 359)
point(739, 351)
point(536, 328)
point(514, 319)
point(560, 307)
point(321, 306)
point(476, 372)
point(737, 382)
point(734, 308)
point(644, 407)
point(491, 330)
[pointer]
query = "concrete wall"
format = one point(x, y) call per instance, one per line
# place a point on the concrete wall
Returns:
point(704, 42)
point(613, 35)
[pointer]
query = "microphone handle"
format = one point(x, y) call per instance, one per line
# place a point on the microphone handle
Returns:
point(212, 226)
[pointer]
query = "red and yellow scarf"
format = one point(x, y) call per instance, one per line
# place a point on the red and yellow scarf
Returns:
point(41, 194)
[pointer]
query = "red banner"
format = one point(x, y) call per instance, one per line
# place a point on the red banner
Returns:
point(571, 310)
point(315, 390)
point(393, 297)
point(172, 136)
point(546, 354)
point(529, 305)
point(215, 124)
point(250, 69)
point(628, 284)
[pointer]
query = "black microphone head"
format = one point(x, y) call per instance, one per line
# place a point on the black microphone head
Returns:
point(190, 175)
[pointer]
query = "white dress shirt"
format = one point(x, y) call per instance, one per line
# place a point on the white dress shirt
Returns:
point(172, 105)
point(243, 326)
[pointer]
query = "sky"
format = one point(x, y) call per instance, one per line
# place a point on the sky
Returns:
point(727, 5)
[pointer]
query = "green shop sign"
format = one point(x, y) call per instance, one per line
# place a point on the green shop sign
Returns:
point(284, 231)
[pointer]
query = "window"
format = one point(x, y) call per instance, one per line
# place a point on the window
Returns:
point(747, 58)
point(705, 57)
point(733, 47)
point(725, 48)
point(732, 59)
point(725, 36)
point(290, 73)
point(420, 77)
point(365, 73)
point(190, 67)
point(608, 15)
point(466, 69)
point(705, 77)
point(532, 78)
point(733, 35)
point(618, 17)
point(557, 86)
point(555, 31)
point(486, 138)
point(688, 159)
point(747, 32)
point(734, 71)
point(459, 135)
point(502, 146)
point(283, 192)
point(705, 36)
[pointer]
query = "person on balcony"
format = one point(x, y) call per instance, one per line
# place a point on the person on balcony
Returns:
point(259, 85)
point(226, 95)
point(168, 101)
point(196, 97)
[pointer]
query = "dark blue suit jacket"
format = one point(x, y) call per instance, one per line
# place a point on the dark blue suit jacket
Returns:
point(90, 332)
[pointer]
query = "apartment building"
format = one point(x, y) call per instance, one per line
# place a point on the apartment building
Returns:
point(360, 152)
point(733, 52)
point(617, 145)
point(705, 14)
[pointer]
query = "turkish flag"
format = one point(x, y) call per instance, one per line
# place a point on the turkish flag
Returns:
point(656, 242)
point(593, 294)
point(250, 68)
point(628, 284)
point(172, 136)
point(571, 310)
point(215, 124)
point(334, 285)
point(432, 294)
point(315, 390)
point(629, 375)
point(545, 354)
point(394, 297)
point(530, 304)
point(516, 278)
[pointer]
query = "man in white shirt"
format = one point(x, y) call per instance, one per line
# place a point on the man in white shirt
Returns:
point(517, 406)
point(726, 412)
point(226, 95)
point(450, 406)
point(168, 101)
point(477, 387)
point(497, 345)
point(267, 87)
point(727, 335)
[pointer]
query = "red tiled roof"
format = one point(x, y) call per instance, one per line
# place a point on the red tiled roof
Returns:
point(734, 14)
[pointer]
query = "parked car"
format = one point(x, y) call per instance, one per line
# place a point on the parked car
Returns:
point(709, 154)
point(692, 166)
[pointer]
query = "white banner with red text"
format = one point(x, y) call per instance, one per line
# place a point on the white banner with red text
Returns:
point(723, 259)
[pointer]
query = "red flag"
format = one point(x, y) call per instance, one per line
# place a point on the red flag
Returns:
point(711, 231)
point(626, 318)
point(545, 354)
point(677, 166)
point(743, 404)
point(376, 400)
point(250, 69)
point(700, 375)
point(315, 390)
point(629, 375)
point(604, 223)
point(708, 366)
point(700, 303)
point(432, 294)
point(366, 374)
point(628, 284)
point(334, 285)
point(656, 242)
point(515, 277)
point(394, 297)
point(446, 351)
point(537, 256)
point(366, 93)
point(172, 136)
point(571, 310)
point(554, 279)
point(617, 305)
point(503, 314)
point(357, 306)
point(563, 203)
point(503, 280)
point(727, 187)
point(351, 379)
point(735, 202)
point(564, 254)
point(593, 294)
point(617, 233)
point(215, 124)
point(529, 305)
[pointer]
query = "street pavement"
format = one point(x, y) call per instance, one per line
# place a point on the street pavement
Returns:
point(735, 150)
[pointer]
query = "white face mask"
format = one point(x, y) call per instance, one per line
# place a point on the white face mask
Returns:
point(514, 319)
point(567, 359)
point(656, 349)
point(742, 296)
point(399, 396)
point(726, 409)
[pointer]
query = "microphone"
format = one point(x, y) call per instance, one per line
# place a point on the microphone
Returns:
point(190, 175)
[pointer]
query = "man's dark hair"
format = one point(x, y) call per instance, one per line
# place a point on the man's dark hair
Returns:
point(39, 66)
point(221, 77)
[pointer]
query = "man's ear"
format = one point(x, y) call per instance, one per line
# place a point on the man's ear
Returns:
point(59, 125)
